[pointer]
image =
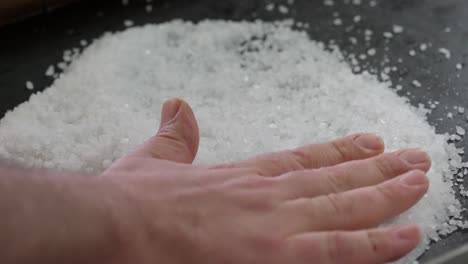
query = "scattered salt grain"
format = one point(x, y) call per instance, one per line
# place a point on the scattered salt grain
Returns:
point(412, 53)
point(29, 85)
point(388, 35)
point(371, 52)
point(128, 23)
point(397, 29)
point(416, 83)
point(283, 9)
point(357, 19)
point(460, 131)
point(50, 71)
point(270, 7)
point(337, 22)
point(149, 8)
point(62, 65)
point(329, 3)
point(445, 52)
point(459, 66)
point(423, 47)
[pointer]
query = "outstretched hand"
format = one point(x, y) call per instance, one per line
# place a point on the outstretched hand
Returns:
point(315, 204)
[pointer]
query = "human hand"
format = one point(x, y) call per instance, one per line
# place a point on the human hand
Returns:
point(315, 204)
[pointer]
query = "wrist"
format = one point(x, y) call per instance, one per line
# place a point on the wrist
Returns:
point(134, 236)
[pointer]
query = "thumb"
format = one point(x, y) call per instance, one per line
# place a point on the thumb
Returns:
point(178, 136)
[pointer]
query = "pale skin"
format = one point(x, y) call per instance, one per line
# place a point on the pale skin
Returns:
point(319, 203)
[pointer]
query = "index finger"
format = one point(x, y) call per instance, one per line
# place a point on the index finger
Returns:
point(314, 156)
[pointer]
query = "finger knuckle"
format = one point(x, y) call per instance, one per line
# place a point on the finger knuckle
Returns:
point(300, 158)
point(336, 181)
point(388, 193)
point(385, 165)
point(336, 247)
point(373, 241)
point(265, 201)
point(169, 132)
point(338, 205)
point(258, 182)
point(286, 161)
point(343, 149)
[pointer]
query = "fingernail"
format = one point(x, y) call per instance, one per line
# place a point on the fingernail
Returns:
point(415, 156)
point(414, 179)
point(369, 142)
point(406, 233)
point(170, 109)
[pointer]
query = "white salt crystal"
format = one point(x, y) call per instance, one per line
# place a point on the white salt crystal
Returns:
point(397, 29)
point(149, 8)
point(460, 131)
point(461, 110)
point(283, 9)
point(62, 65)
point(423, 47)
point(371, 52)
point(29, 85)
point(416, 83)
point(459, 66)
point(357, 19)
point(445, 52)
point(412, 52)
point(353, 40)
point(337, 22)
point(328, 2)
point(128, 23)
point(50, 71)
point(67, 58)
point(388, 35)
point(270, 7)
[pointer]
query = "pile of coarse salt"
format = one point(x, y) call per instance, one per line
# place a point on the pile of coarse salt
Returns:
point(255, 88)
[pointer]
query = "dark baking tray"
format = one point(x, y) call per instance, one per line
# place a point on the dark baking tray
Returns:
point(29, 47)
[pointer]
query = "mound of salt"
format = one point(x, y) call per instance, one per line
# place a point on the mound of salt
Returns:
point(255, 87)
